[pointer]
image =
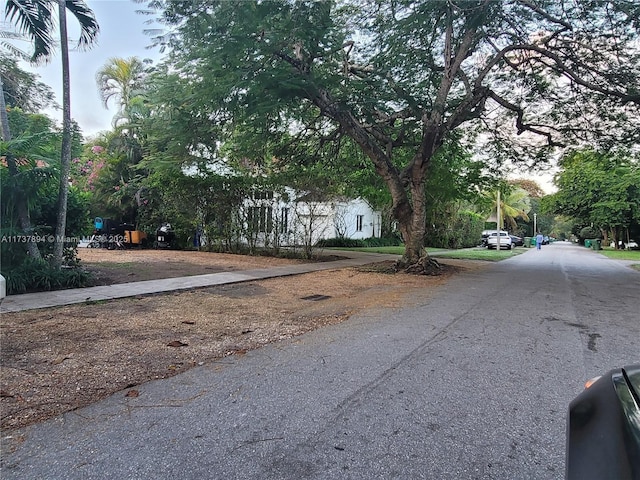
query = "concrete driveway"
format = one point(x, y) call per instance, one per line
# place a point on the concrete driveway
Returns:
point(472, 382)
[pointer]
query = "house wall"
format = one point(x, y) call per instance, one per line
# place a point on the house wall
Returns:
point(297, 222)
point(356, 219)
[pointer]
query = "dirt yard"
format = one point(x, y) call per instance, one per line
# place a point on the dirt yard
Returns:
point(56, 360)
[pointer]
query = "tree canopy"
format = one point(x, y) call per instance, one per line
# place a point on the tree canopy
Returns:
point(398, 78)
point(23, 89)
point(599, 190)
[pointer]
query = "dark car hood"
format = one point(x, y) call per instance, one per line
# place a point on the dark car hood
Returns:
point(603, 428)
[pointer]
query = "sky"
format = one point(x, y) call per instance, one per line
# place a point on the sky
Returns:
point(121, 35)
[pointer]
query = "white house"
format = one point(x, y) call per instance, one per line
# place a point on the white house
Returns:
point(299, 219)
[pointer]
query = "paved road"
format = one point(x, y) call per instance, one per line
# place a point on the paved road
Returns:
point(470, 383)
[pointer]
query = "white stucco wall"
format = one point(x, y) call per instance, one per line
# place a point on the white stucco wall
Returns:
point(319, 220)
point(346, 219)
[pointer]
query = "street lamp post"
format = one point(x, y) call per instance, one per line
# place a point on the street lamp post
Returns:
point(535, 224)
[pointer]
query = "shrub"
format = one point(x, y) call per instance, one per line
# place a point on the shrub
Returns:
point(392, 241)
point(343, 242)
point(340, 242)
point(37, 275)
point(461, 230)
point(589, 232)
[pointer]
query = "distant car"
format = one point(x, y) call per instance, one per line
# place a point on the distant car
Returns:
point(505, 240)
point(603, 428)
point(517, 241)
point(631, 245)
point(545, 240)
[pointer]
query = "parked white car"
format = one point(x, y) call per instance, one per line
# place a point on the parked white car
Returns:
point(632, 245)
point(505, 240)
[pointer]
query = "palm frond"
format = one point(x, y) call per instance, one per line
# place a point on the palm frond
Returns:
point(34, 19)
point(89, 27)
point(15, 51)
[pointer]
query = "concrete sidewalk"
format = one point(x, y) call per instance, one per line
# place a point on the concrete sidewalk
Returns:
point(31, 301)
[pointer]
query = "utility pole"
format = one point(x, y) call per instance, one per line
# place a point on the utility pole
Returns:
point(498, 220)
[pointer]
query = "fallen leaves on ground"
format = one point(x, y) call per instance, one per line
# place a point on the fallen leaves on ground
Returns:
point(120, 344)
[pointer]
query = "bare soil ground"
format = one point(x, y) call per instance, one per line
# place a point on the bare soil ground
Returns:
point(56, 360)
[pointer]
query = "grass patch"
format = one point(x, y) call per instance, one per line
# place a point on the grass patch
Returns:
point(633, 255)
point(95, 302)
point(476, 253)
point(394, 250)
point(480, 253)
point(621, 254)
point(120, 266)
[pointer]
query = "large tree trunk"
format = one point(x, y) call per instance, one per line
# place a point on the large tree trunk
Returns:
point(21, 202)
point(65, 155)
point(412, 223)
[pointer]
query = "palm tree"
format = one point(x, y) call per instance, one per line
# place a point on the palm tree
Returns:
point(514, 204)
point(34, 18)
point(121, 79)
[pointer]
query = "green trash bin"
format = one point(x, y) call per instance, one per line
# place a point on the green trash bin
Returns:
point(597, 244)
point(527, 242)
point(587, 242)
point(533, 241)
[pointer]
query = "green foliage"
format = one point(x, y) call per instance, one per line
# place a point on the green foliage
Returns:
point(121, 80)
point(210, 203)
point(392, 241)
point(38, 275)
point(79, 221)
point(35, 148)
point(462, 230)
point(110, 169)
point(599, 189)
point(515, 204)
point(22, 89)
point(340, 242)
point(343, 242)
point(589, 232)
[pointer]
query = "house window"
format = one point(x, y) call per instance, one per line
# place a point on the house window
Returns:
point(359, 222)
point(263, 195)
point(260, 219)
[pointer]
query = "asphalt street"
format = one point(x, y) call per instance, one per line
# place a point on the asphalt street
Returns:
point(471, 382)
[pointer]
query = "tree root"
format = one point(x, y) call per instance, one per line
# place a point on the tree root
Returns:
point(424, 266)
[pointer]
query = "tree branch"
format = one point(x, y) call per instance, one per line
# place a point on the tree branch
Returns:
point(544, 14)
point(561, 67)
point(520, 125)
point(470, 108)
